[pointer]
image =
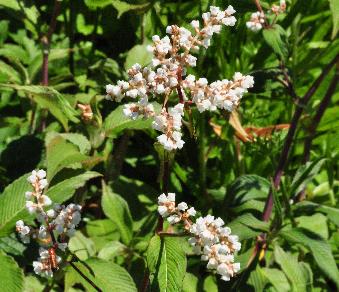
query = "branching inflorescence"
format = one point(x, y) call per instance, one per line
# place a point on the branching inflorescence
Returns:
point(258, 18)
point(172, 55)
point(57, 224)
point(210, 238)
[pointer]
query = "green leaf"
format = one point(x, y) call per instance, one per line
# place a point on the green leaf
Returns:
point(111, 250)
point(210, 284)
point(82, 246)
point(334, 6)
point(54, 55)
point(32, 284)
point(124, 7)
point(277, 278)
point(248, 187)
point(12, 4)
point(102, 232)
point(65, 189)
point(116, 208)
point(12, 200)
point(9, 73)
point(310, 207)
point(316, 223)
point(3, 31)
point(92, 4)
point(190, 283)
point(275, 38)
point(257, 280)
point(320, 250)
point(305, 174)
point(108, 276)
point(138, 54)
point(61, 154)
point(250, 221)
point(11, 51)
point(12, 205)
point(11, 245)
point(166, 262)
point(294, 271)
point(116, 122)
point(77, 139)
point(49, 98)
point(11, 276)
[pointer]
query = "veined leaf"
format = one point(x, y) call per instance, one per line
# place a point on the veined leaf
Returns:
point(320, 250)
point(82, 246)
point(166, 262)
point(108, 276)
point(12, 200)
point(252, 222)
point(12, 205)
point(257, 280)
point(124, 7)
point(77, 139)
point(49, 98)
point(310, 207)
point(275, 38)
point(294, 270)
point(248, 187)
point(65, 189)
point(277, 278)
point(138, 54)
point(304, 174)
point(116, 208)
point(116, 122)
point(11, 276)
point(334, 5)
point(61, 154)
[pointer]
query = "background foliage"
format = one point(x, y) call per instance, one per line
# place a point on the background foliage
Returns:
point(110, 166)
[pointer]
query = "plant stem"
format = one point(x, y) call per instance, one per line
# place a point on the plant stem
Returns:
point(314, 124)
point(257, 3)
point(46, 41)
point(84, 276)
point(283, 160)
point(160, 225)
point(201, 156)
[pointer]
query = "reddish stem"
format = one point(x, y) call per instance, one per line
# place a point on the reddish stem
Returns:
point(301, 103)
point(314, 124)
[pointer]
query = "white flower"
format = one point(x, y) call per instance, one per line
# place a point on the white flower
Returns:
point(182, 206)
point(28, 195)
point(173, 219)
point(256, 22)
point(31, 207)
point(166, 204)
point(195, 24)
point(45, 200)
point(191, 211)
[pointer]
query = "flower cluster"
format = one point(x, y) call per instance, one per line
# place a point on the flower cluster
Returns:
point(210, 238)
point(224, 94)
point(258, 19)
point(56, 225)
point(175, 214)
point(172, 55)
point(169, 123)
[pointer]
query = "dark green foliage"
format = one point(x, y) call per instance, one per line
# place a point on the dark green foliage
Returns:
point(111, 166)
